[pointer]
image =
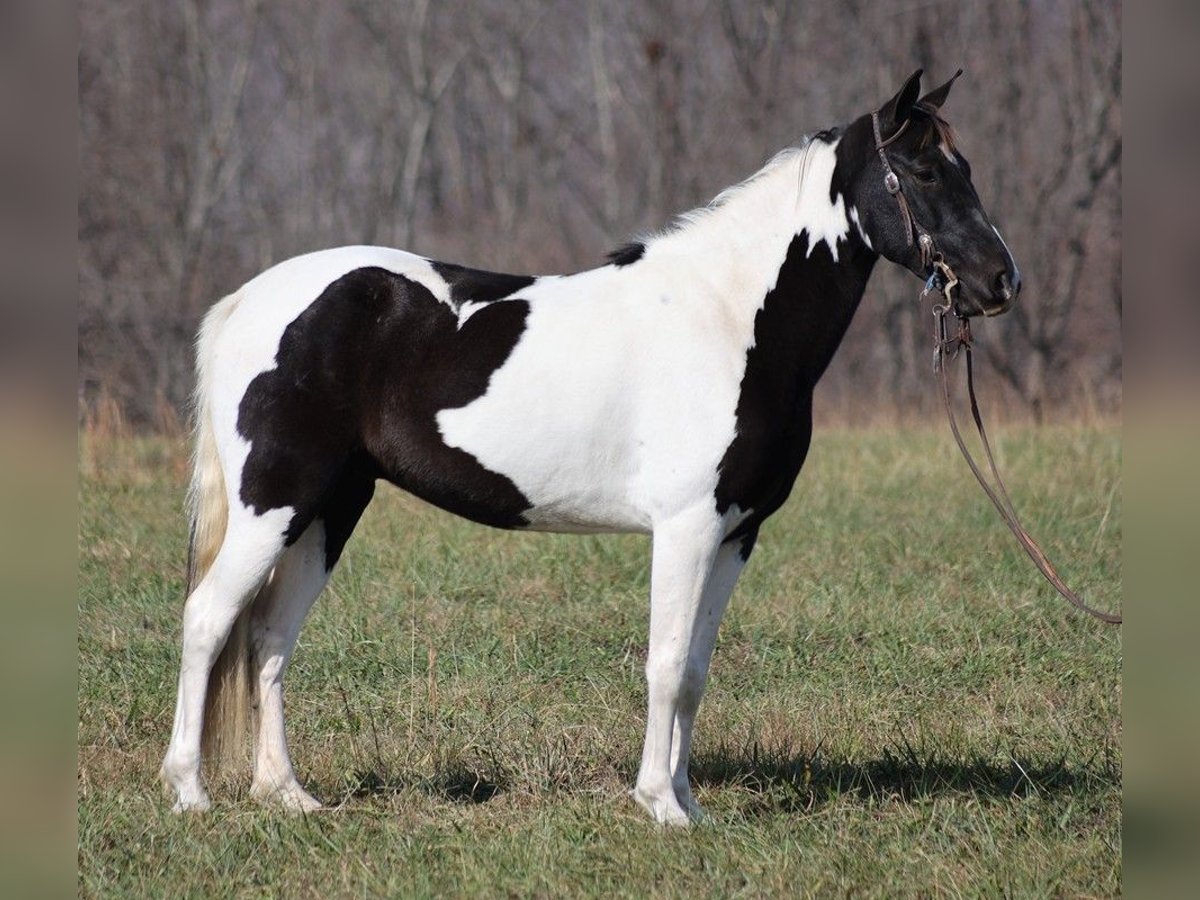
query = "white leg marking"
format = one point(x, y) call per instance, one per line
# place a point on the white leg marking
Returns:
point(684, 549)
point(726, 569)
point(278, 613)
point(252, 545)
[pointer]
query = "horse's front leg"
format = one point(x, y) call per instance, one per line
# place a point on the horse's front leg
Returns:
point(730, 560)
point(682, 560)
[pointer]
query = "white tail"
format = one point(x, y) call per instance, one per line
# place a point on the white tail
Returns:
point(228, 698)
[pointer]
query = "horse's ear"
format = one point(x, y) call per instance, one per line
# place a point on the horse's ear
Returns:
point(896, 111)
point(935, 98)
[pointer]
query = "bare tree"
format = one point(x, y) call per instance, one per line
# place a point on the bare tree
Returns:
point(1063, 199)
point(424, 88)
point(222, 136)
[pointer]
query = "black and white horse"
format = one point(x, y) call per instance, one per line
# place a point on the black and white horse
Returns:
point(668, 392)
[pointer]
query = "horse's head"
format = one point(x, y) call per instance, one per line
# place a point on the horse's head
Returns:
point(912, 191)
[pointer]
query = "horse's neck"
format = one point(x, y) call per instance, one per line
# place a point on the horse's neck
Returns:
point(787, 259)
point(803, 320)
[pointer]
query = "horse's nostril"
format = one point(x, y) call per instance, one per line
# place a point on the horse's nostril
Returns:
point(1008, 289)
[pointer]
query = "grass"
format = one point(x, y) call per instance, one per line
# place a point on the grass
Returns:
point(898, 705)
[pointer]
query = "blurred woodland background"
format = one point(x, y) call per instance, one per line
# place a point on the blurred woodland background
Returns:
point(220, 137)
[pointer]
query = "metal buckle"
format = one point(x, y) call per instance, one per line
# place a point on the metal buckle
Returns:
point(951, 280)
point(891, 182)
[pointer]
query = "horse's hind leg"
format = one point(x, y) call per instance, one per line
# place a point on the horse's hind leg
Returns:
point(251, 546)
point(278, 613)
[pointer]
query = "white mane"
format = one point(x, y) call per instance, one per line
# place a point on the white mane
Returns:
point(783, 158)
point(788, 195)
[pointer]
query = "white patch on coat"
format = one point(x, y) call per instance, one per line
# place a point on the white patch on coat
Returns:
point(468, 309)
point(862, 232)
point(823, 219)
point(619, 400)
point(735, 516)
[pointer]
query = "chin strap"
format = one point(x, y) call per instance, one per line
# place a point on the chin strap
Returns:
point(892, 183)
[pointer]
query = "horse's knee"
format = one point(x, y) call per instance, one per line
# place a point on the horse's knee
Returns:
point(664, 671)
point(675, 676)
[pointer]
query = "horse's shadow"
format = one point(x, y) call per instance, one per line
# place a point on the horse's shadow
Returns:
point(801, 782)
point(789, 781)
point(457, 783)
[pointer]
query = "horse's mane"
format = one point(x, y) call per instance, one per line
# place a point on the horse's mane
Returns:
point(683, 220)
point(940, 130)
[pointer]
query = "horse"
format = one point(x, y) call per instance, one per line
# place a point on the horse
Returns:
point(667, 392)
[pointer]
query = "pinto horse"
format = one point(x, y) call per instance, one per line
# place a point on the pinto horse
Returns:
point(668, 392)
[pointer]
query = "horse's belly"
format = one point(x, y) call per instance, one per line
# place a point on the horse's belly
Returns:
point(576, 478)
point(586, 512)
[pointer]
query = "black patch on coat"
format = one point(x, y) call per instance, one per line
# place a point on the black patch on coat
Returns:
point(360, 376)
point(801, 322)
point(852, 158)
point(345, 505)
point(478, 286)
point(748, 537)
point(627, 254)
point(828, 135)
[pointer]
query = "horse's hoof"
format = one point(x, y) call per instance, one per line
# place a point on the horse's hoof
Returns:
point(664, 808)
point(191, 804)
point(290, 798)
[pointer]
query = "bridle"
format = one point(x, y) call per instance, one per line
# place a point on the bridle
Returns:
point(942, 280)
point(892, 183)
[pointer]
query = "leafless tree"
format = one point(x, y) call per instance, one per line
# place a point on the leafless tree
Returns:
point(221, 136)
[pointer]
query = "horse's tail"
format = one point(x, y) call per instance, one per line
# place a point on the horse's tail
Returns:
point(227, 700)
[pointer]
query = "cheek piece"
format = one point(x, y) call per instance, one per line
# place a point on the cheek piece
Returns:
point(891, 182)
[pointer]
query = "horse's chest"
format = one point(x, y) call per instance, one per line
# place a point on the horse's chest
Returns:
point(761, 464)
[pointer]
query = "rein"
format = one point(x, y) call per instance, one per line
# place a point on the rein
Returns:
point(946, 350)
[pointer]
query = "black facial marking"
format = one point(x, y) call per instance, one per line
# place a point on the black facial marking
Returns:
point(627, 254)
point(797, 330)
point(478, 286)
point(360, 376)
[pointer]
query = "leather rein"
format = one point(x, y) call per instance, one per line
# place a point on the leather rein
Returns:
point(946, 349)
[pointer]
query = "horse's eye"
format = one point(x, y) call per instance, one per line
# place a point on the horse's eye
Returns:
point(925, 176)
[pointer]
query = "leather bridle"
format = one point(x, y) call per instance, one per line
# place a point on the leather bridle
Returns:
point(892, 183)
point(942, 280)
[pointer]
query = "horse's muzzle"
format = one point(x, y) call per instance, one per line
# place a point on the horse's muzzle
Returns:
point(1004, 292)
point(1004, 296)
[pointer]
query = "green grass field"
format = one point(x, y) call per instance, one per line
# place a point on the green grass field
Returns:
point(899, 706)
